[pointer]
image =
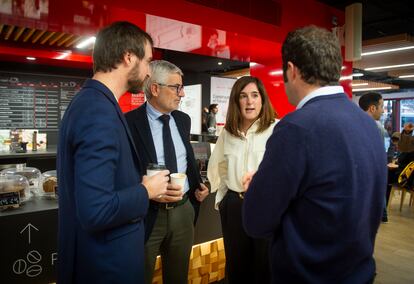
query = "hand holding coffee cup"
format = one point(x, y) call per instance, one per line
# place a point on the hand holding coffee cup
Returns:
point(178, 179)
point(172, 194)
point(153, 169)
point(156, 181)
point(175, 189)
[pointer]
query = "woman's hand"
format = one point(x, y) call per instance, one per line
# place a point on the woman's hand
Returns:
point(246, 179)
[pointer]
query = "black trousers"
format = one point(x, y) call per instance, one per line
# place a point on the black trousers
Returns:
point(247, 259)
point(392, 178)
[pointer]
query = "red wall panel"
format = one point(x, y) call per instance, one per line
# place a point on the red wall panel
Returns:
point(242, 38)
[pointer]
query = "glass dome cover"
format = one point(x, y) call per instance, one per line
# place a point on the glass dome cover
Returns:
point(33, 175)
point(11, 183)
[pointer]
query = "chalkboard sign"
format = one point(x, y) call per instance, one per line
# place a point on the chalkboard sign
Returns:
point(9, 199)
point(35, 101)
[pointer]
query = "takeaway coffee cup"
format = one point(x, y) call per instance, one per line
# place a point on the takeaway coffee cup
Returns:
point(178, 178)
point(153, 169)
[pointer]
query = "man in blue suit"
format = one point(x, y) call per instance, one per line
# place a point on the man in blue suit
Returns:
point(102, 198)
point(318, 193)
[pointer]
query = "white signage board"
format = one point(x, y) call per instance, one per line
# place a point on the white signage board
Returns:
point(173, 34)
point(191, 105)
point(220, 94)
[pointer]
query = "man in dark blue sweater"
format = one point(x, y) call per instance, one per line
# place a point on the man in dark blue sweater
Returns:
point(318, 193)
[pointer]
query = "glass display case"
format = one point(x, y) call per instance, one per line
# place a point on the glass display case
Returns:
point(33, 176)
point(14, 190)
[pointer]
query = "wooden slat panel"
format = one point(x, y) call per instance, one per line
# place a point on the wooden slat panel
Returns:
point(207, 264)
point(72, 41)
point(28, 35)
point(18, 33)
point(56, 38)
point(36, 37)
point(47, 37)
point(9, 32)
point(64, 39)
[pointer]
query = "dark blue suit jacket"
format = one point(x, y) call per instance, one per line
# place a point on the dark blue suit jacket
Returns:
point(319, 193)
point(102, 204)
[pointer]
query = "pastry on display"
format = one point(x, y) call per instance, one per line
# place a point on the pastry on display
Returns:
point(49, 184)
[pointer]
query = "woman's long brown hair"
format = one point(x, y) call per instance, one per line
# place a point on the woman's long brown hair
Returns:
point(234, 117)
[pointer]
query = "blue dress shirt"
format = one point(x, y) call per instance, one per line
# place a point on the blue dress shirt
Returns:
point(156, 132)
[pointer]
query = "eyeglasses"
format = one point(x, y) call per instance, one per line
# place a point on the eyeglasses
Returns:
point(178, 88)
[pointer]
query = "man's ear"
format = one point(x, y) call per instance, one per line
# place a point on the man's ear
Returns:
point(127, 60)
point(292, 71)
point(154, 89)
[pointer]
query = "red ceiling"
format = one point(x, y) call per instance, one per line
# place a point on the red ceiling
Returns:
point(240, 37)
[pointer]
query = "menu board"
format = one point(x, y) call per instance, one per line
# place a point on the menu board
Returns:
point(35, 101)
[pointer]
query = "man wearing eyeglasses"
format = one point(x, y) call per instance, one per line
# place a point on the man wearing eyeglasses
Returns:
point(161, 135)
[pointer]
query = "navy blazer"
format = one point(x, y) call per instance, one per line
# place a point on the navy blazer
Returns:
point(141, 133)
point(102, 203)
point(319, 193)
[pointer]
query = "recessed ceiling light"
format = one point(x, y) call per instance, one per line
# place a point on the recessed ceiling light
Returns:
point(30, 58)
point(276, 72)
point(387, 50)
point(370, 89)
point(389, 66)
point(359, 84)
point(219, 63)
point(63, 55)
point(86, 42)
point(342, 78)
point(357, 74)
point(406, 76)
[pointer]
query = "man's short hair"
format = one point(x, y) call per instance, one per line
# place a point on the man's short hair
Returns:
point(160, 70)
point(316, 53)
point(212, 106)
point(113, 41)
point(369, 99)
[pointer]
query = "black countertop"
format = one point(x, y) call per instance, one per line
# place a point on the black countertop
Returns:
point(49, 152)
point(35, 204)
point(208, 225)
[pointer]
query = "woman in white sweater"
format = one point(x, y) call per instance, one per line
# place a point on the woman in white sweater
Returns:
point(239, 149)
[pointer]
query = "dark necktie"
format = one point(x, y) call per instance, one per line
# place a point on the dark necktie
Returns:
point(169, 150)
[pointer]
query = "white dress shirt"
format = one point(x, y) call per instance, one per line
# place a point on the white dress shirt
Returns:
point(233, 157)
point(323, 91)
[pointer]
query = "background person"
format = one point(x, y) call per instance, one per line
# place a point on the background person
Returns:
point(373, 104)
point(211, 118)
point(204, 114)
